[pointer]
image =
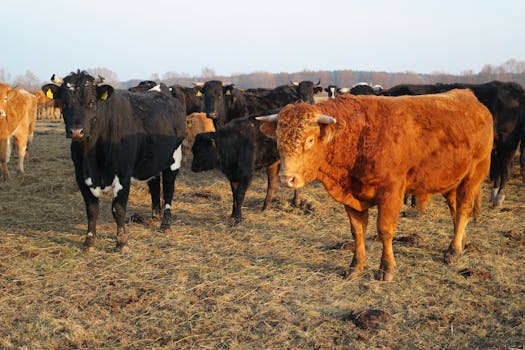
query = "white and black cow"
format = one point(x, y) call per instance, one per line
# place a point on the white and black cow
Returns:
point(118, 136)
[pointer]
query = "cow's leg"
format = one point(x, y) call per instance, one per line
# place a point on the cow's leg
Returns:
point(92, 208)
point(388, 210)
point(467, 204)
point(118, 208)
point(421, 201)
point(154, 190)
point(495, 175)
point(4, 156)
point(238, 192)
point(522, 154)
point(271, 172)
point(20, 143)
point(168, 189)
point(358, 223)
point(450, 196)
point(90, 201)
point(506, 160)
point(296, 200)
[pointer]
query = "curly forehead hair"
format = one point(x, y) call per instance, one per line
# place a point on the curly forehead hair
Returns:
point(294, 121)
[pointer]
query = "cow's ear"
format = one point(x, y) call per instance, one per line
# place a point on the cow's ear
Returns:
point(198, 91)
point(51, 91)
point(268, 129)
point(104, 91)
point(228, 89)
point(318, 89)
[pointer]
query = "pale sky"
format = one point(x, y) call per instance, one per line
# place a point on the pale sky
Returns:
point(138, 38)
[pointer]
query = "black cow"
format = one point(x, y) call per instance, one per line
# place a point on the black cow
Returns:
point(193, 101)
point(119, 136)
point(362, 89)
point(238, 149)
point(506, 102)
point(143, 86)
point(224, 102)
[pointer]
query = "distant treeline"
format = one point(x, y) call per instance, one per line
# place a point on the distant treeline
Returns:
point(511, 70)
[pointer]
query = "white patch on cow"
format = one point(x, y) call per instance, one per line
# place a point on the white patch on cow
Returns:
point(167, 207)
point(71, 86)
point(117, 186)
point(155, 88)
point(332, 90)
point(89, 234)
point(177, 157)
point(96, 191)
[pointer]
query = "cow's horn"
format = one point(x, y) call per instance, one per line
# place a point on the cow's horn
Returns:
point(199, 83)
point(56, 80)
point(325, 119)
point(268, 118)
point(294, 83)
point(318, 82)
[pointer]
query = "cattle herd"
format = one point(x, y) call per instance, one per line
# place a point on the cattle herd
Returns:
point(366, 145)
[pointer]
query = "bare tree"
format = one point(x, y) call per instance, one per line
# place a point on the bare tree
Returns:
point(29, 81)
point(5, 77)
point(208, 73)
point(110, 77)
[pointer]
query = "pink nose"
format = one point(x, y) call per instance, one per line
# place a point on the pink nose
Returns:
point(288, 181)
point(77, 134)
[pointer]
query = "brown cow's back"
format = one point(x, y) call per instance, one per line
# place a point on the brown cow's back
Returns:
point(427, 140)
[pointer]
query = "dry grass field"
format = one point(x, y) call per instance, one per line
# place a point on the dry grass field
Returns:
point(274, 282)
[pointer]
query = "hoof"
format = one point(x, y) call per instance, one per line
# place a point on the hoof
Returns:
point(384, 276)
point(353, 274)
point(164, 226)
point(451, 257)
point(88, 248)
point(122, 248)
point(235, 221)
point(166, 220)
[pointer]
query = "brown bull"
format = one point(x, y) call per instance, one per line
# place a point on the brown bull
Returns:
point(369, 150)
point(17, 122)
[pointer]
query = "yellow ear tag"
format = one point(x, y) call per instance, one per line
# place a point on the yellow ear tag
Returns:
point(228, 92)
point(189, 124)
point(104, 96)
point(199, 94)
point(49, 94)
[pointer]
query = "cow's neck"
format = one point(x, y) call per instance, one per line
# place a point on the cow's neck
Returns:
point(339, 159)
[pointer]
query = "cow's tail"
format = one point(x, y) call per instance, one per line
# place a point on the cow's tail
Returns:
point(476, 206)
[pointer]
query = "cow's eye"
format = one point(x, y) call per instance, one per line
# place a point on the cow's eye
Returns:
point(309, 142)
